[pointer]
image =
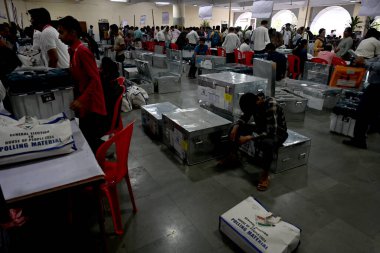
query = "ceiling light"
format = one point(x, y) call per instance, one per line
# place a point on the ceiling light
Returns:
point(195, 5)
point(162, 3)
point(121, 1)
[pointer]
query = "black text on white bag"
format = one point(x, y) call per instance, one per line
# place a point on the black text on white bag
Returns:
point(29, 138)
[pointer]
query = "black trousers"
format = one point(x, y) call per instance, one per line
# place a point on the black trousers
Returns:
point(230, 57)
point(266, 146)
point(93, 127)
point(368, 111)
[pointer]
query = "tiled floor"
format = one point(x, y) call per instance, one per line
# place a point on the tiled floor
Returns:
point(335, 199)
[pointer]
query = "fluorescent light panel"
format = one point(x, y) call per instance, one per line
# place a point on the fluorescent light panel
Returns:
point(121, 1)
point(162, 3)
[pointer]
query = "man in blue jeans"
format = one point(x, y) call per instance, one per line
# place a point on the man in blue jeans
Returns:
point(369, 109)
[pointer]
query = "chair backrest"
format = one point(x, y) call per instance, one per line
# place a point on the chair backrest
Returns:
point(338, 61)
point(208, 52)
point(294, 66)
point(221, 51)
point(238, 55)
point(122, 141)
point(319, 60)
point(151, 46)
point(117, 123)
point(248, 57)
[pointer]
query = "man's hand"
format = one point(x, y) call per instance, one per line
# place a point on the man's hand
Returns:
point(359, 61)
point(244, 139)
point(234, 132)
point(76, 105)
point(16, 219)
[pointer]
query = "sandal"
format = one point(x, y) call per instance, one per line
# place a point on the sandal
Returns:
point(263, 184)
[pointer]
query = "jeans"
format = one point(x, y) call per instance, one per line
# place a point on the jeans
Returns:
point(368, 111)
point(230, 57)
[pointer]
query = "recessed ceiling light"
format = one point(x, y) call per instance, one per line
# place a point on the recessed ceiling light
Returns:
point(162, 3)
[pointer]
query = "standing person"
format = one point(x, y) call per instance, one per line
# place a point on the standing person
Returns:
point(240, 34)
point(287, 35)
point(260, 38)
point(163, 36)
point(345, 44)
point(92, 45)
point(299, 36)
point(320, 42)
point(54, 52)
point(182, 40)
point(231, 42)
point(200, 49)
point(119, 44)
point(311, 36)
point(89, 103)
point(369, 47)
point(91, 32)
point(156, 31)
point(301, 52)
point(193, 37)
point(137, 34)
point(268, 133)
point(368, 110)
point(216, 37)
point(248, 33)
point(279, 59)
point(174, 34)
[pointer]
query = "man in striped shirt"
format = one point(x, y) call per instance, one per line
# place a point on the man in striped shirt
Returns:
point(269, 131)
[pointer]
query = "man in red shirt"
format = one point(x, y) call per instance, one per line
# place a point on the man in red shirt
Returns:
point(89, 103)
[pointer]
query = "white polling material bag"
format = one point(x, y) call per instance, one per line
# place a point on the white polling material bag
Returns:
point(241, 225)
point(29, 138)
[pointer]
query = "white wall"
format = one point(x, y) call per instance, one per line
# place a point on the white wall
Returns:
point(91, 11)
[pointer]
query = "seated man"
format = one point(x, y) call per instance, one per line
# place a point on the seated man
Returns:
point(268, 133)
point(327, 54)
point(201, 49)
point(278, 58)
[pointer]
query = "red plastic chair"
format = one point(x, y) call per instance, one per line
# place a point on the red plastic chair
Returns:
point(221, 52)
point(144, 45)
point(115, 172)
point(208, 52)
point(162, 44)
point(338, 61)
point(150, 45)
point(319, 60)
point(248, 57)
point(294, 66)
point(174, 46)
point(117, 123)
point(238, 56)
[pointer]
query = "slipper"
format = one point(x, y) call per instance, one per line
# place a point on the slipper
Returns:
point(263, 184)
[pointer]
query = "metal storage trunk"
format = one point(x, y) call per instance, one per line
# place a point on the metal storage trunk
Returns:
point(293, 153)
point(43, 104)
point(130, 73)
point(144, 77)
point(317, 72)
point(187, 54)
point(223, 90)
point(319, 96)
point(266, 69)
point(195, 134)
point(170, 81)
point(209, 61)
point(159, 61)
point(151, 117)
point(294, 106)
point(147, 57)
point(158, 49)
point(174, 55)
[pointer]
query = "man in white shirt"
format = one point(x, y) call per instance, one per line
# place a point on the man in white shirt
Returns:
point(231, 42)
point(260, 38)
point(244, 47)
point(240, 34)
point(119, 43)
point(174, 34)
point(370, 46)
point(54, 53)
point(248, 33)
point(287, 34)
point(193, 37)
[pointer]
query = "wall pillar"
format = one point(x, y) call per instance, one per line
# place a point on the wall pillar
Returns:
point(179, 13)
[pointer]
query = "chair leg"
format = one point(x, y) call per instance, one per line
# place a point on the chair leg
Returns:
point(112, 196)
point(127, 179)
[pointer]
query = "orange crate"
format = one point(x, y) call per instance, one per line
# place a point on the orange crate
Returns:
point(347, 77)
